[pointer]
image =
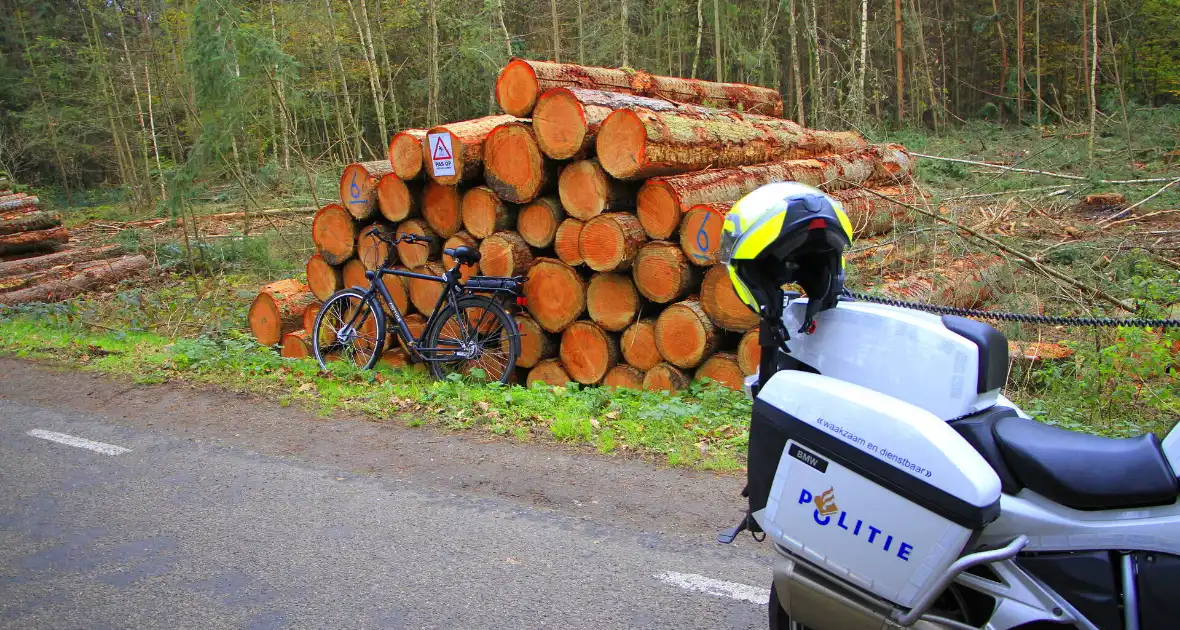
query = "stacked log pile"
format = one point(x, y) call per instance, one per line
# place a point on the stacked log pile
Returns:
point(606, 189)
point(38, 263)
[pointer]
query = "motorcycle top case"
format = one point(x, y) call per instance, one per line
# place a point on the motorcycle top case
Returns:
point(870, 488)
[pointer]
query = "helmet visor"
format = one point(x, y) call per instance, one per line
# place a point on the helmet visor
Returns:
point(730, 234)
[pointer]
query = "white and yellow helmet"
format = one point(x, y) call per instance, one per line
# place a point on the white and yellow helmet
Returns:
point(786, 233)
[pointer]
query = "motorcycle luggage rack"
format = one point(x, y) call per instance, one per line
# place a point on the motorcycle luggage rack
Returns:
point(922, 606)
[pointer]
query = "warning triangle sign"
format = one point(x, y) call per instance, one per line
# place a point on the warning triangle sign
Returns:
point(440, 151)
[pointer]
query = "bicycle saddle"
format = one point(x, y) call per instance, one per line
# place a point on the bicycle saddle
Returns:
point(463, 254)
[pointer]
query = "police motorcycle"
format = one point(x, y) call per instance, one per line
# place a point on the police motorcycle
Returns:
point(900, 489)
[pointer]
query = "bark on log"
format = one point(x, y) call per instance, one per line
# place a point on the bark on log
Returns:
point(461, 239)
point(467, 145)
point(549, 372)
point(665, 378)
point(440, 208)
point(6, 197)
point(297, 345)
point(700, 232)
point(353, 274)
point(39, 240)
point(48, 261)
point(504, 254)
point(588, 352)
point(722, 368)
point(749, 352)
point(416, 254)
point(535, 343)
point(19, 204)
point(662, 200)
point(521, 82)
point(556, 294)
point(871, 214)
point(95, 276)
point(514, 166)
point(405, 153)
point(586, 191)
point(324, 279)
point(721, 303)
point(334, 233)
point(278, 310)
point(662, 272)
point(638, 345)
point(30, 222)
point(309, 314)
point(965, 282)
point(610, 242)
point(538, 221)
point(566, 242)
point(485, 214)
point(641, 143)
point(358, 187)
point(424, 294)
point(685, 335)
point(398, 200)
point(371, 250)
point(612, 301)
point(14, 283)
point(623, 376)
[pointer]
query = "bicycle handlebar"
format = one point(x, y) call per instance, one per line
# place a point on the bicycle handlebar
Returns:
point(400, 237)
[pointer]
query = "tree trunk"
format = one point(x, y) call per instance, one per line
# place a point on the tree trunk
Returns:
point(1093, 91)
point(556, 294)
point(612, 301)
point(610, 242)
point(522, 81)
point(535, 343)
point(642, 143)
point(587, 191)
point(932, 106)
point(1003, 56)
point(29, 222)
point(814, 72)
point(334, 233)
point(1037, 47)
point(722, 368)
point(485, 214)
point(749, 352)
point(97, 275)
point(366, 37)
point(538, 222)
point(48, 261)
point(638, 345)
point(700, 30)
point(358, 187)
point(433, 81)
point(663, 200)
point(1019, 62)
point(798, 78)
point(718, 70)
point(461, 239)
point(700, 232)
point(440, 208)
point(623, 376)
point(588, 352)
point(625, 28)
point(505, 254)
point(514, 166)
point(406, 154)
point(357, 133)
point(900, 68)
point(39, 240)
point(549, 372)
point(566, 243)
point(467, 145)
point(323, 279)
point(276, 311)
point(664, 378)
point(297, 345)
point(352, 272)
point(397, 199)
point(663, 274)
point(556, 31)
point(372, 251)
point(685, 335)
point(424, 294)
point(720, 302)
point(416, 254)
point(581, 38)
point(862, 68)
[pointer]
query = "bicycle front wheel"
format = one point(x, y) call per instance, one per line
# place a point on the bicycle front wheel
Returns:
point(477, 339)
point(349, 328)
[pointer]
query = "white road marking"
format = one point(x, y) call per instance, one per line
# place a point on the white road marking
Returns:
point(69, 440)
point(702, 584)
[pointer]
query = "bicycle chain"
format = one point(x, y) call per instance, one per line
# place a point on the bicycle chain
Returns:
point(1107, 322)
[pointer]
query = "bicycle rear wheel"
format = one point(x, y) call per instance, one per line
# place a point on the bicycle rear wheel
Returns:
point(479, 335)
point(349, 328)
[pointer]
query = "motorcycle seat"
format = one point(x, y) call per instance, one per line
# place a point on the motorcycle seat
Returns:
point(1086, 472)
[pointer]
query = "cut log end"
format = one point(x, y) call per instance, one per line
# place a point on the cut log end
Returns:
point(658, 210)
point(396, 199)
point(461, 239)
point(638, 345)
point(334, 232)
point(424, 294)
point(371, 249)
point(586, 191)
point(612, 301)
point(700, 232)
point(662, 273)
point(538, 222)
point(560, 124)
point(624, 376)
point(297, 345)
point(514, 165)
point(548, 372)
point(685, 335)
point(504, 254)
point(722, 368)
point(358, 187)
point(353, 274)
point(309, 314)
point(405, 153)
point(517, 89)
point(485, 214)
point(565, 242)
point(588, 352)
point(610, 242)
point(621, 143)
point(722, 303)
point(555, 293)
point(467, 151)
point(278, 310)
point(749, 352)
point(324, 279)
point(665, 378)
point(417, 254)
point(535, 343)
point(441, 209)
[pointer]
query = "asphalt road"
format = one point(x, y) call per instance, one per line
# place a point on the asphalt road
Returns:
point(184, 532)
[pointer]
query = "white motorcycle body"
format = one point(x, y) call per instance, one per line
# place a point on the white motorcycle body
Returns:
point(898, 484)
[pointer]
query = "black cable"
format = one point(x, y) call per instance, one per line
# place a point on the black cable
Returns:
point(1020, 317)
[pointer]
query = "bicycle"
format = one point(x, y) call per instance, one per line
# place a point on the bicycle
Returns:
point(468, 330)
